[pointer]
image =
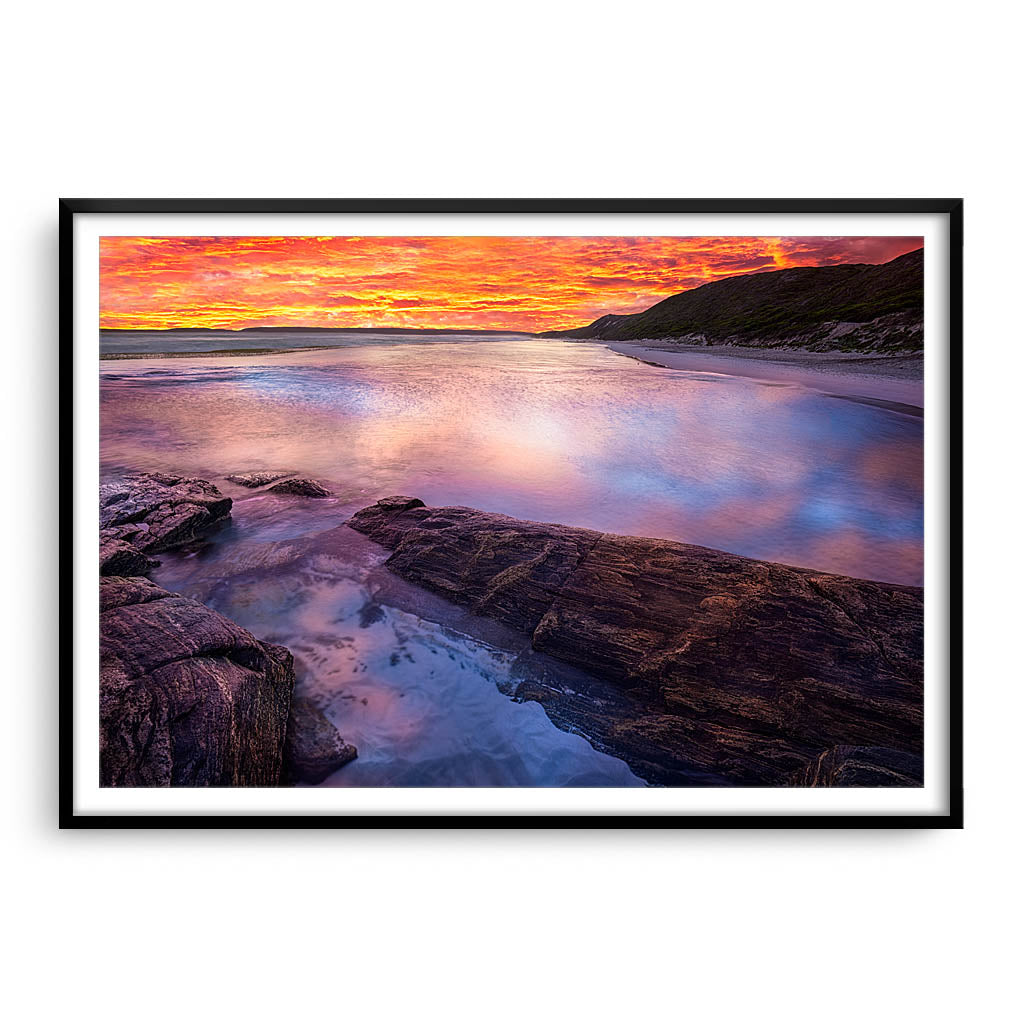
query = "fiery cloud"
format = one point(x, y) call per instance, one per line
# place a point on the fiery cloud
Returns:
point(501, 283)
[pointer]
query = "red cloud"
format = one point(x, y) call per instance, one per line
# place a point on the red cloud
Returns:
point(511, 283)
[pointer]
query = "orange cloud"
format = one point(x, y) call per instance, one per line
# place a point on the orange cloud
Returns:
point(499, 283)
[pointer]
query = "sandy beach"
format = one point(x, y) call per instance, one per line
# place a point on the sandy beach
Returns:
point(895, 382)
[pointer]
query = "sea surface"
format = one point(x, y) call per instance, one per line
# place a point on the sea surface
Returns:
point(546, 430)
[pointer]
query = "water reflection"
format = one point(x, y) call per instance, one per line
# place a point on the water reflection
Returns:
point(546, 430)
point(419, 687)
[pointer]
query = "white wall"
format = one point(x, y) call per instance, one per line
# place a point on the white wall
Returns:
point(534, 99)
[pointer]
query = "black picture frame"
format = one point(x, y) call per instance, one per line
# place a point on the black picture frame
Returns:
point(951, 208)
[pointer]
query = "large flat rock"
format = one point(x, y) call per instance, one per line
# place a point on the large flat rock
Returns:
point(187, 697)
point(725, 669)
point(506, 568)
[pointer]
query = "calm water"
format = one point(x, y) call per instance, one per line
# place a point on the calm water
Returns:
point(542, 430)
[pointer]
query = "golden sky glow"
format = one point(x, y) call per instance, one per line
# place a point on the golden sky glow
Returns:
point(501, 283)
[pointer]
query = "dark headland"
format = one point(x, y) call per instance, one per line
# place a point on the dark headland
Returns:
point(850, 307)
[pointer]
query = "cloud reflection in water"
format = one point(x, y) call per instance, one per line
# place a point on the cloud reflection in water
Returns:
point(549, 431)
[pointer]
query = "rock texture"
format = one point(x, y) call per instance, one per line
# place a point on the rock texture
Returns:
point(145, 513)
point(256, 479)
point(302, 487)
point(119, 558)
point(863, 766)
point(725, 670)
point(187, 697)
point(313, 747)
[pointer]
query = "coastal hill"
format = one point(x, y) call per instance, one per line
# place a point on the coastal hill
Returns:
point(850, 307)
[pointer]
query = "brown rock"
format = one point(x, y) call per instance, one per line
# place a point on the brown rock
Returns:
point(302, 487)
point(259, 479)
point(725, 670)
point(187, 697)
point(507, 568)
point(313, 747)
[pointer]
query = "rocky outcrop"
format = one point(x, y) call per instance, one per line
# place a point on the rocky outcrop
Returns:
point(144, 513)
point(119, 558)
point(313, 747)
point(301, 487)
point(187, 697)
point(260, 479)
point(724, 670)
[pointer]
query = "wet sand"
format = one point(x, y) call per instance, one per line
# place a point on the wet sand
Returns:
point(892, 382)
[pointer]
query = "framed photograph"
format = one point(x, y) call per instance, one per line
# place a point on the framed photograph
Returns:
point(511, 513)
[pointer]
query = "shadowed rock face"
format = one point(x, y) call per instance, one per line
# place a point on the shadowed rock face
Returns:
point(119, 558)
point(187, 697)
point(313, 747)
point(727, 670)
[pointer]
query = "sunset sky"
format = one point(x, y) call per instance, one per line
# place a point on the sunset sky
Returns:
point(504, 283)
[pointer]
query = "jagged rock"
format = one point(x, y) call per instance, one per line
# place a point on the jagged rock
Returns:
point(187, 697)
point(119, 558)
point(382, 522)
point(863, 766)
point(156, 511)
point(302, 487)
point(726, 670)
point(313, 747)
point(256, 479)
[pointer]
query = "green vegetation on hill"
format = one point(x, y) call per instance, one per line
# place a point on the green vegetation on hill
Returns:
point(787, 307)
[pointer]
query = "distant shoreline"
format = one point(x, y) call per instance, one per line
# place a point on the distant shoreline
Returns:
point(895, 382)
